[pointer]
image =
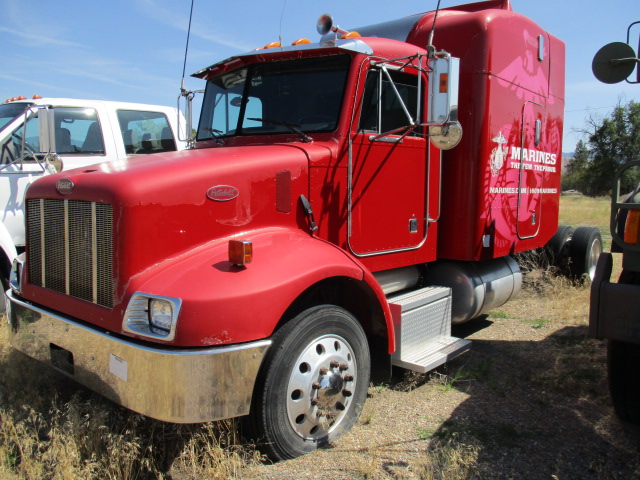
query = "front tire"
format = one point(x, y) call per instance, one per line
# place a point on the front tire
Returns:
point(623, 364)
point(312, 384)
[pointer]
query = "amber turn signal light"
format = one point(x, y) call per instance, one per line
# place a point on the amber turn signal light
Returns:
point(632, 228)
point(240, 252)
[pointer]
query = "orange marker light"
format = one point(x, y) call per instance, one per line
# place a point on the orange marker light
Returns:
point(632, 227)
point(240, 252)
point(351, 35)
point(272, 45)
point(301, 41)
point(444, 81)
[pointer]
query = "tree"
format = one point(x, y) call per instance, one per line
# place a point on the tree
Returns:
point(575, 176)
point(613, 141)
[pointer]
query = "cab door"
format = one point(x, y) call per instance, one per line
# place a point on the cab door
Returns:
point(531, 172)
point(388, 167)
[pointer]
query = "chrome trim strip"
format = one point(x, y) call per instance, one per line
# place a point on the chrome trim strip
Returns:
point(94, 254)
point(181, 385)
point(43, 256)
point(67, 288)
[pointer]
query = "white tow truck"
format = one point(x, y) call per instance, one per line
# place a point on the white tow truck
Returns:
point(39, 136)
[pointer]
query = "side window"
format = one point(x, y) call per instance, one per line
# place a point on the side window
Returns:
point(145, 132)
point(382, 109)
point(78, 131)
point(12, 148)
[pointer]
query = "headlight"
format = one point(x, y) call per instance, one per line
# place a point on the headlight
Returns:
point(152, 316)
point(161, 314)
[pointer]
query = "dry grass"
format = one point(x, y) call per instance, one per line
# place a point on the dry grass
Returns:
point(51, 428)
point(529, 401)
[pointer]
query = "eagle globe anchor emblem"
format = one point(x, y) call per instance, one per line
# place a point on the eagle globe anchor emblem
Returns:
point(498, 154)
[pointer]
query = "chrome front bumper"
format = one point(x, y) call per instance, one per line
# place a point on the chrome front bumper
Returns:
point(173, 385)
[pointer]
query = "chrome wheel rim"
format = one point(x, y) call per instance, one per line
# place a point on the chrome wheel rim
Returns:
point(320, 387)
point(592, 259)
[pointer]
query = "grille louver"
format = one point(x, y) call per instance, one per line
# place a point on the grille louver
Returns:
point(70, 248)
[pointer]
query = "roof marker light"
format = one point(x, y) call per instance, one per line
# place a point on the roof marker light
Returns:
point(272, 45)
point(301, 41)
point(353, 34)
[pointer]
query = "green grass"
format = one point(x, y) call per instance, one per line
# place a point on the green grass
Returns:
point(579, 211)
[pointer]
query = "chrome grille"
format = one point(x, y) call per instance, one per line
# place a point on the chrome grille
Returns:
point(70, 248)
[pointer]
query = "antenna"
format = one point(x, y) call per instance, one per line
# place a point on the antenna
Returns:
point(188, 95)
point(430, 48)
point(284, 5)
point(186, 49)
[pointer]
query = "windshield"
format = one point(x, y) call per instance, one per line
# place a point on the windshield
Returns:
point(9, 111)
point(278, 97)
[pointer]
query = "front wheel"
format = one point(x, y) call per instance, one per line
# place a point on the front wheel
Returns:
point(623, 364)
point(312, 384)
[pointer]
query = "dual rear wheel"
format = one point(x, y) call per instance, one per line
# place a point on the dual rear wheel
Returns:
point(575, 252)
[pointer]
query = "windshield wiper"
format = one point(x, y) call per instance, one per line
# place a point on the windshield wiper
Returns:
point(293, 128)
point(216, 135)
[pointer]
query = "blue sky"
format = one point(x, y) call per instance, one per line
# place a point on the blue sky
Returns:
point(133, 50)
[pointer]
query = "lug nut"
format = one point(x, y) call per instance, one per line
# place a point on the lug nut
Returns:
point(315, 385)
point(340, 406)
point(343, 367)
point(314, 401)
point(347, 393)
point(348, 378)
point(334, 364)
point(323, 370)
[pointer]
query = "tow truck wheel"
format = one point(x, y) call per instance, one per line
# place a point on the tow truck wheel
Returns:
point(585, 248)
point(312, 384)
point(623, 360)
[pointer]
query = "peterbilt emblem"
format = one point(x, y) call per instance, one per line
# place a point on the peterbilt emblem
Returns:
point(222, 193)
point(64, 186)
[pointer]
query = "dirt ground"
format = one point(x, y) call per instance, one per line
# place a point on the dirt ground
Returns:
point(528, 401)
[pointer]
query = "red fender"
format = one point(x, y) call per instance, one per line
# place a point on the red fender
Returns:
point(224, 304)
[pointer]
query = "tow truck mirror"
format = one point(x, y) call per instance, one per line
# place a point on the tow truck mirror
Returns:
point(46, 130)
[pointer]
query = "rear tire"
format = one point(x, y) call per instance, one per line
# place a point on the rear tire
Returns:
point(312, 384)
point(623, 364)
point(585, 248)
point(558, 248)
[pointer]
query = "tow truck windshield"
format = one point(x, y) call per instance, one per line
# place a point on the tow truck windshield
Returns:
point(291, 96)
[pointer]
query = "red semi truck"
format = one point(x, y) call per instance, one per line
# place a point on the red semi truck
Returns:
point(332, 220)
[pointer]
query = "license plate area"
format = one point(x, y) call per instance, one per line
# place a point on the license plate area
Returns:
point(61, 359)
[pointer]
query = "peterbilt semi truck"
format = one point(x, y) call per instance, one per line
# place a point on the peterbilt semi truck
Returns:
point(345, 202)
